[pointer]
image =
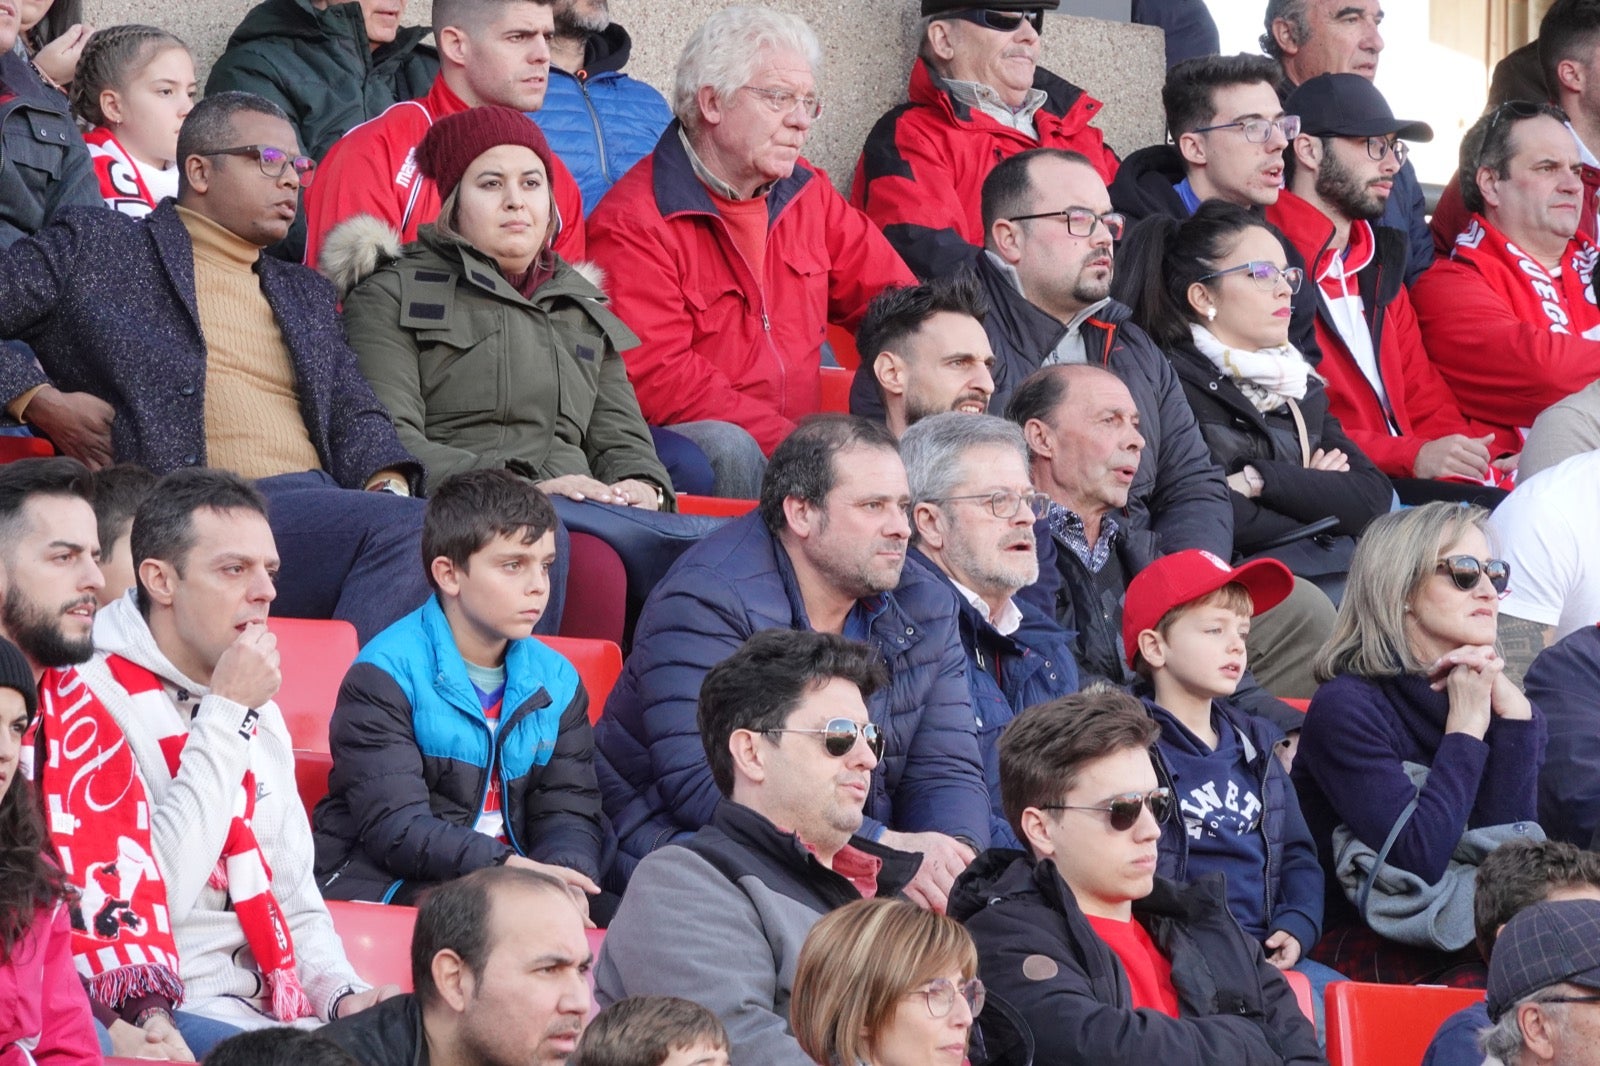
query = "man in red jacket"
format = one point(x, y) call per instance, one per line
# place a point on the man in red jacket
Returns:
point(977, 96)
point(490, 52)
point(1382, 387)
point(729, 254)
point(1510, 318)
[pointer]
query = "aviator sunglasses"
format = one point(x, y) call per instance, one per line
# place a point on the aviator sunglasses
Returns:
point(839, 736)
point(1465, 570)
point(1124, 810)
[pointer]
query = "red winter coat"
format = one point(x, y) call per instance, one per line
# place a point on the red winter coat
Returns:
point(920, 176)
point(372, 170)
point(1420, 402)
point(719, 342)
point(43, 1007)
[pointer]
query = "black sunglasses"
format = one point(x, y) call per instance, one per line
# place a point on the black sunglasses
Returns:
point(1125, 810)
point(1004, 21)
point(1466, 570)
point(839, 736)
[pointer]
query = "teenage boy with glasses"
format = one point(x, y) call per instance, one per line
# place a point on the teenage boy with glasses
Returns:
point(977, 96)
point(721, 917)
point(1381, 384)
point(1104, 959)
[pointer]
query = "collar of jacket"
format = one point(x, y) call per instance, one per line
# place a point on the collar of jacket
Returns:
point(450, 669)
point(975, 627)
point(679, 191)
point(606, 51)
point(1063, 100)
point(1311, 232)
point(1034, 331)
point(751, 829)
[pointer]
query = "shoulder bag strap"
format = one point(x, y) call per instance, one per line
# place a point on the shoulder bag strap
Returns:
point(1383, 852)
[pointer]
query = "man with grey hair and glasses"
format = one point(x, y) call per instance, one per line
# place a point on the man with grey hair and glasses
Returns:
point(1544, 987)
point(729, 254)
point(973, 512)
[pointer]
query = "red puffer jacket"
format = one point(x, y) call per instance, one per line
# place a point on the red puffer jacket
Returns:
point(719, 342)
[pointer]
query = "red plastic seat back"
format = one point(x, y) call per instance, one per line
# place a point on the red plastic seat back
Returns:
point(311, 769)
point(714, 506)
point(1301, 984)
point(1388, 1024)
point(599, 663)
point(315, 655)
point(377, 940)
point(836, 389)
point(597, 591)
point(843, 343)
point(596, 938)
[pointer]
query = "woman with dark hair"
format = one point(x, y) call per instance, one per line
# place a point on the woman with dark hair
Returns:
point(1213, 291)
point(44, 1013)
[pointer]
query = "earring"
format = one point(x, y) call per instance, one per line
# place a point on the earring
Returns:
point(1211, 314)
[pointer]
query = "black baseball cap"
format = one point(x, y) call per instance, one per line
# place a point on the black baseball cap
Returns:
point(1546, 944)
point(1348, 105)
point(945, 7)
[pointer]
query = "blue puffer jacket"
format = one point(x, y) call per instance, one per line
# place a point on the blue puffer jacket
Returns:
point(600, 121)
point(412, 754)
point(738, 581)
point(1005, 676)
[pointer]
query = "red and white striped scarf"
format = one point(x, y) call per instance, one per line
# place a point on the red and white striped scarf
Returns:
point(1565, 303)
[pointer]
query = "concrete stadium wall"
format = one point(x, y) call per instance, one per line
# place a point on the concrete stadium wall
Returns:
point(868, 45)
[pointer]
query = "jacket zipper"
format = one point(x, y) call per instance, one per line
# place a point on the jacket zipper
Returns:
point(599, 134)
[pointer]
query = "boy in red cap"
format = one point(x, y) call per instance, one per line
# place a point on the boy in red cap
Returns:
point(1184, 625)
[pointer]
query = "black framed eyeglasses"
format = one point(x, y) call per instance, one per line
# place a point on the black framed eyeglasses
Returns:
point(1003, 21)
point(1378, 147)
point(1264, 274)
point(272, 161)
point(1005, 503)
point(1568, 999)
point(1081, 221)
point(783, 102)
point(839, 736)
point(1124, 810)
point(1467, 570)
point(941, 995)
point(1259, 130)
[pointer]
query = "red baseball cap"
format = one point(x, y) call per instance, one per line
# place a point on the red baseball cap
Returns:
point(1186, 576)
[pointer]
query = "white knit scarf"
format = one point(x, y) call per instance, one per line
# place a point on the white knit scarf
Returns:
point(1267, 376)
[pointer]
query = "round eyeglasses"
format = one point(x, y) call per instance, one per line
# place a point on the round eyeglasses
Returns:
point(1264, 274)
point(1005, 503)
point(1378, 147)
point(272, 161)
point(941, 995)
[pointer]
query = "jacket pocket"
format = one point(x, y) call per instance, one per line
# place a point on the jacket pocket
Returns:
point(38, 141)
point(460, 366)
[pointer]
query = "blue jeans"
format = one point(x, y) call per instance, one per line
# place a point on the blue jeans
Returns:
point(736, 460)
point(201, 1034)
point(686, 464)
point(1320, 977)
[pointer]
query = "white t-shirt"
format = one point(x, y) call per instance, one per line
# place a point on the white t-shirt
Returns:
point(1546, 531)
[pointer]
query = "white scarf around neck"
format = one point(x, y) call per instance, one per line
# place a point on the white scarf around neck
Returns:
point(1267, 376)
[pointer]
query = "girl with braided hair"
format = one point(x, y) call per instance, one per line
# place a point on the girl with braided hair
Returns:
point(134, 86)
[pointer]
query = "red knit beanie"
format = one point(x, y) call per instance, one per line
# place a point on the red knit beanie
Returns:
point(453, 143)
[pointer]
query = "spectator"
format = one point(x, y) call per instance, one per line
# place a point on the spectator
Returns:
point(1311, 37)
point(1547, 960)
point(1518, 280)
point(1564, 681)
point(217, 842)
point(1184, 625)
point(974, 512)
point(490, 52)
point(1562, 57)
point(52, 38)
point(977, 97)
point(1189, 28)
point(1392, 402)
point(600, 121)
point(1512, 878)
point(118, 491)
point(653, 1031)
point(47, 1018)
point(929, 353)
point(882, 982)
point(1568, 427)
point(136, 84)
point(1555, 588)
point(36, 125)
point(1214, 293)
point(279, 1046)
point(824, 553)
point(1102, 957)
point(1412, 676)
point(252, 373)
point(330, 65)
point(492, 986)
point(729, 254)
point(785, 728)
point(458, 742)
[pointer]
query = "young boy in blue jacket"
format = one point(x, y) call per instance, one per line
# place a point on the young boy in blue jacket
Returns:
point(1184, 624)
point(458, 740)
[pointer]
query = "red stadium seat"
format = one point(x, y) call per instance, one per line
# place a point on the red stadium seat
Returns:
point(836, 389)
point(597, 592)
point(377, 940)
point(714, 506)
point(315, 653)
point(1302, 992)
point(13, 448)
point(311, 770)
point(1388, 1024)
point(599, 663)
point(1300, 705)
point(843, 343)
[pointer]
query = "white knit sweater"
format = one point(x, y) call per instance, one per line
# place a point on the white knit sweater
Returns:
point(190, 817)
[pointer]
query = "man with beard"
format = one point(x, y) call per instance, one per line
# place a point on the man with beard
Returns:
point(974, 511)
point(1381, 384)
point(598, 120)
point(923, 352)
point(499, 962)
point(824, 552)
point(784, 726)
point(48, 574)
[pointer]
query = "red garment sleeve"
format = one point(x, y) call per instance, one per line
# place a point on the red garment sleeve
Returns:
point(570, 243)
point(67, 1033)
point(863, 262)
point(355, 178)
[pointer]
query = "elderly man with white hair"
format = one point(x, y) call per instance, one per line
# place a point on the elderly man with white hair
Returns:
point(729, 254)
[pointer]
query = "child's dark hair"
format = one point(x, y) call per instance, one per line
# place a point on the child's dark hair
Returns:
point(1163, 256)
point(469, 510)
point(279, 1046)
point(644, 1030)
point(118, 491)
point(110, 60)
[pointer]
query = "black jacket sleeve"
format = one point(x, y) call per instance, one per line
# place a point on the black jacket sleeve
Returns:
point(1189, 507)
point(561, 807)
point(1355, 496)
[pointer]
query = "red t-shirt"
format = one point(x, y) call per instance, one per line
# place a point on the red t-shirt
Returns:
point(1149, 972)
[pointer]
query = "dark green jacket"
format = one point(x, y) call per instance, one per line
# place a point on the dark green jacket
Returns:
point(475, 376)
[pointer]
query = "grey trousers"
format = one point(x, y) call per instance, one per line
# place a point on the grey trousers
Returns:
point(1284, 641)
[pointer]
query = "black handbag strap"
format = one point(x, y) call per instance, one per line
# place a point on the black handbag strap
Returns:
point(1383, 853)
